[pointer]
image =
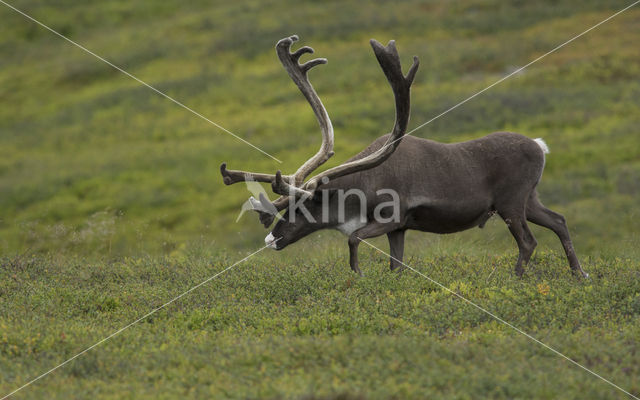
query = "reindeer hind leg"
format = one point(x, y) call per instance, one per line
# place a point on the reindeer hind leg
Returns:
point(514, 216)
point(540, 215)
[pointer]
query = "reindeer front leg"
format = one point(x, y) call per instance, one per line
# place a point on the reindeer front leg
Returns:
point(396, 248)
point(373, 229)
point(353, 254)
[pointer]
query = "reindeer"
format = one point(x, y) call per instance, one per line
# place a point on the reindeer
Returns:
point(441, 188)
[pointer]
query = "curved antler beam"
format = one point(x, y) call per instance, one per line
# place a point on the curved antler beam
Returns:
point(401, 85)
point(298, 74)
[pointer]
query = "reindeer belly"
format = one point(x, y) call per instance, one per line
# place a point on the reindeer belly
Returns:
point(448, 217)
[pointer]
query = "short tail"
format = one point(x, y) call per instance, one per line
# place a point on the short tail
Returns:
point(543, 145)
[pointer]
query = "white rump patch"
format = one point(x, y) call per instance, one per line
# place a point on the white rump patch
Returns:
point(351, 226)
point(543, 145)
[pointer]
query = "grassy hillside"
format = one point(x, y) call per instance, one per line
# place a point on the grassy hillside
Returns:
point(111, 202)
point(92, 161)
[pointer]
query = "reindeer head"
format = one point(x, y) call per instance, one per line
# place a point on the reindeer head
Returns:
point(304, 216)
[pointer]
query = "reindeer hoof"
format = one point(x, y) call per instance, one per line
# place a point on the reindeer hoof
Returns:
point(582, 274)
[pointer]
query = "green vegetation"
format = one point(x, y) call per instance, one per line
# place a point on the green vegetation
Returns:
point(111, 202)
point(292, 327)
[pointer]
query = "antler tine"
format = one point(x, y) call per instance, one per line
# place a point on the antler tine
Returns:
point(230, 176)
point(310, 64)
point(295, 56)
point(390, 62)
point(298, 74)
point(283, 188)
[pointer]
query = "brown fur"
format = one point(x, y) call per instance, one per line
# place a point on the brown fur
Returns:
point(446, 188)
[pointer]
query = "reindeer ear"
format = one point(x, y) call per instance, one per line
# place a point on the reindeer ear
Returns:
point(265, 218)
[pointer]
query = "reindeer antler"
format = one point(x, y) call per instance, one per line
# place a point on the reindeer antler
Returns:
point(294, 185)
point(390, 62)
point(298, 73)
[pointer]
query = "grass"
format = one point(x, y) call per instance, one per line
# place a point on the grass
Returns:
point(111, 203)
point(270, 328)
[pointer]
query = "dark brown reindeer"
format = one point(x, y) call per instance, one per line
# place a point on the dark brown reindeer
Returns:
point(399, 183)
